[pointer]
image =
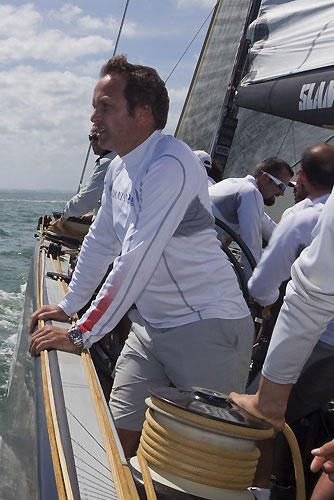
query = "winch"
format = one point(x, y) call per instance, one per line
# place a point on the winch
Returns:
point(197, 444)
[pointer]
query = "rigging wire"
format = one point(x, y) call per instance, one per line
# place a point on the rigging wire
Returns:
point(279, 150)
point(189, 45)
point(84, 167)
point(294, 142)
point(114, 52)
point(121, 27)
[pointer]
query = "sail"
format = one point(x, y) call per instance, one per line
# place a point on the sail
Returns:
point(258, 135)
point(202, 109)
point(291, 71)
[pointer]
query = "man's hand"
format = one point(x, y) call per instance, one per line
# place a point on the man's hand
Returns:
point(87, 218)
point(249, 402)
point(51, 337)
point(60, 224)
point(45, 313)
point(266, 311)
point(269, 403)
point(324, 459)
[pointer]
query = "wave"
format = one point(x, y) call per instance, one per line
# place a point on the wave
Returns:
point(25, 252)
point(4, 233)
point(11, 306)
point(33, 201)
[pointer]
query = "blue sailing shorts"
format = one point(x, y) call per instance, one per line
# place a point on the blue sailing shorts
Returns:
point(210, 353)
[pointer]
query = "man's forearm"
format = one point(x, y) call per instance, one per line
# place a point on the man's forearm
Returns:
point(272, 398)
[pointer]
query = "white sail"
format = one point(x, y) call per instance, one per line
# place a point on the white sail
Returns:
point(291, 37)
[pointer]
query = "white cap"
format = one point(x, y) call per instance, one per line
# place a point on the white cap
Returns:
point(205, 158)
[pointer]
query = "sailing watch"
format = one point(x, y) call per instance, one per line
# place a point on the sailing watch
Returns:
point(75, 336)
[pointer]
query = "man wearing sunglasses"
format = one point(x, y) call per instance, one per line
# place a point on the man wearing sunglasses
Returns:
point(239, 203)
point(88, 199)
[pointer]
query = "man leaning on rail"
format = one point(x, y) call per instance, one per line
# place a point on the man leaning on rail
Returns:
point(88, 199)
point(156, 225)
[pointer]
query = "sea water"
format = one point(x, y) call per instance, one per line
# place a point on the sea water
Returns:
point(20, 211)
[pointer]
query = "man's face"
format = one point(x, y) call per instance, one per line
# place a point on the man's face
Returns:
point(94, 140)
point(270, 190)
point(117, 130)
point(300, 191)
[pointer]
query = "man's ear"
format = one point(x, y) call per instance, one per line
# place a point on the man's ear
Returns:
point(143, 112)
point(263, 179)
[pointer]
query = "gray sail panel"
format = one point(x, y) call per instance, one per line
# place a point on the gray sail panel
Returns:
point(307, 97)
point(260, 136)
point(200, 116)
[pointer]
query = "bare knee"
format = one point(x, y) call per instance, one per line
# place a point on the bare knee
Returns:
point(129, 441)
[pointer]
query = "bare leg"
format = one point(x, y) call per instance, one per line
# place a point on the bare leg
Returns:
point(129, 441)
point(264, 466)
point(324, 489)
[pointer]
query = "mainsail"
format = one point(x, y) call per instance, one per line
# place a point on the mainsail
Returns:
point(291, 73)
point(202, 109)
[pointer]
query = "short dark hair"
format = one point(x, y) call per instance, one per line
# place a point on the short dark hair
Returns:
point(318, 165)
point(143, 86)
point(273, 166)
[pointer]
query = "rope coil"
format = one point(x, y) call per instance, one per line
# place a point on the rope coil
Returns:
point(198, 462)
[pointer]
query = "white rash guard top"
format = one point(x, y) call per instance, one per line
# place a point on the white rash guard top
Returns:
point(89, 197)
point(239, 203)
point(290, 237)
point(156, 226)
point(308, 305)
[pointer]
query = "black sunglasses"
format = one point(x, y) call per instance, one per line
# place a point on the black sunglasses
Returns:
point(93, 137)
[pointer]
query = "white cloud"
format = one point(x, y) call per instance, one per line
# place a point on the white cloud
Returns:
point(130, 29)
point(64, 48)
point(42, 101)
point(67, 14)
point(21, 20)
point(91, 67)
point(90, 23)
point(45, 115)
point(178, 95)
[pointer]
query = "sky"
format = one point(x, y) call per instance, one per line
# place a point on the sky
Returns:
point(51, 53)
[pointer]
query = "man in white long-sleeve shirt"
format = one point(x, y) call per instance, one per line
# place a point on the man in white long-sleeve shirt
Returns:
point(156, 226)
point(239, 203)
point(88, 199)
